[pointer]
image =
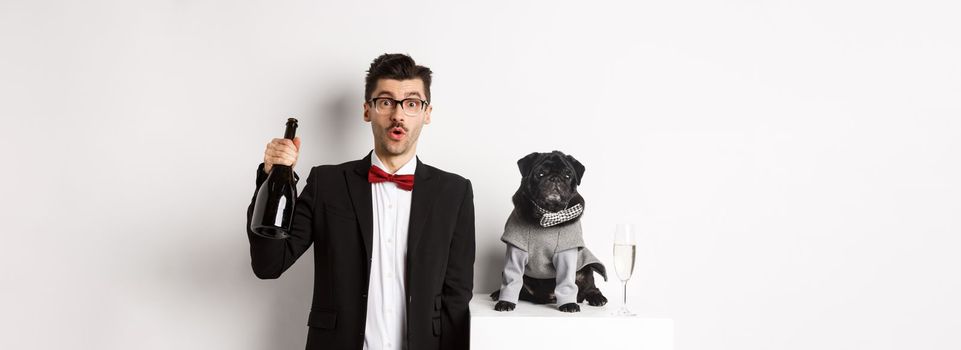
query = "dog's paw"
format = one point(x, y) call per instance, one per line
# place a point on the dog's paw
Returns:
point(597, 299)
point(504, 306)
point(570, 307)
point(496, 295)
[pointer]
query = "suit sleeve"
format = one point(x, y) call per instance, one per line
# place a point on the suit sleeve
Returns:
point(459, 278)
point(269, 258)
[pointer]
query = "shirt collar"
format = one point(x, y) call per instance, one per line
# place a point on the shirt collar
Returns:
point(406, 169)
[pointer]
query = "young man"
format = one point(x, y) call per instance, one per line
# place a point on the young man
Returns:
point(393, 237)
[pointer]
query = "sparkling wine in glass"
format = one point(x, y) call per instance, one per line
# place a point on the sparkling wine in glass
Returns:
point(625, 252)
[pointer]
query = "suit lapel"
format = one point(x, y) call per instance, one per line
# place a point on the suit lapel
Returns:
point(360, 195)
point(422, 200)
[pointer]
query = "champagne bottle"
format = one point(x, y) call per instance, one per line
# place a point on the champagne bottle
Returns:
point(274, 207)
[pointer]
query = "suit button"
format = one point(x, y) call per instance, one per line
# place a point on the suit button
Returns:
point(364, 295)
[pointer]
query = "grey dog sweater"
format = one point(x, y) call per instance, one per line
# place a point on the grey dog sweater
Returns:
point(556, 252)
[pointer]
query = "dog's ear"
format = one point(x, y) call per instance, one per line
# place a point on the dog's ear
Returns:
point(526, 164)
point(578, 168)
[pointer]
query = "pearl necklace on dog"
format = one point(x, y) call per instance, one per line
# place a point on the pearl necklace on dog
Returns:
point(549, 219)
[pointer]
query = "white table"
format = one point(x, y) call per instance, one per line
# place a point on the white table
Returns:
point(543, 327)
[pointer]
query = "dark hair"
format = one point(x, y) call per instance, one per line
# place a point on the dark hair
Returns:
point(396, 66)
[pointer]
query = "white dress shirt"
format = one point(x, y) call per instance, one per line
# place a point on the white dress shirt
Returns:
point(386, 310)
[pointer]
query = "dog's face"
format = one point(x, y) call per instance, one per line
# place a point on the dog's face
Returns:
point(550, 179)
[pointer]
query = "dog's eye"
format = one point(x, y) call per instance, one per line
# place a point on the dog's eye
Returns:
point(567, 176)
point(540, 174)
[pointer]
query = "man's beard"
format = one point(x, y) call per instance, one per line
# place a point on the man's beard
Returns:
point(395, 148)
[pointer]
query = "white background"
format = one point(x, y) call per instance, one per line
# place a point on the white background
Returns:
point(793, 165)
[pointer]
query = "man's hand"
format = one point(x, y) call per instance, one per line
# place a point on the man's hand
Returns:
point(281, 151)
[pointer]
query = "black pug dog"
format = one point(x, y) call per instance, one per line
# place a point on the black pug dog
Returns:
point(547, 261)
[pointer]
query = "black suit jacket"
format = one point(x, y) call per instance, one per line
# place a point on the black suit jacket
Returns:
point(333, 212)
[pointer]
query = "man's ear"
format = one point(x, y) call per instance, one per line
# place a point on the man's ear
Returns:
point(366, 112)
point(430, 108)
point(526, 164)
point(578, 168)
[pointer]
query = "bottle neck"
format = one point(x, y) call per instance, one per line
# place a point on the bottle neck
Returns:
point(291, 128)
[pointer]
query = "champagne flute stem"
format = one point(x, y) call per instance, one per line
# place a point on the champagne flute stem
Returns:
point(625, 293)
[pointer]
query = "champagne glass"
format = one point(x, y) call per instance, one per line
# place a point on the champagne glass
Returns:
point(625, 251)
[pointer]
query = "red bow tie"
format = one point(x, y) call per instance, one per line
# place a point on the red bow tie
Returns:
point(376, 175)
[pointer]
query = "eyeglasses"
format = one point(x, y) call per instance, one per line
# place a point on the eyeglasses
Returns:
point(386, 105)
